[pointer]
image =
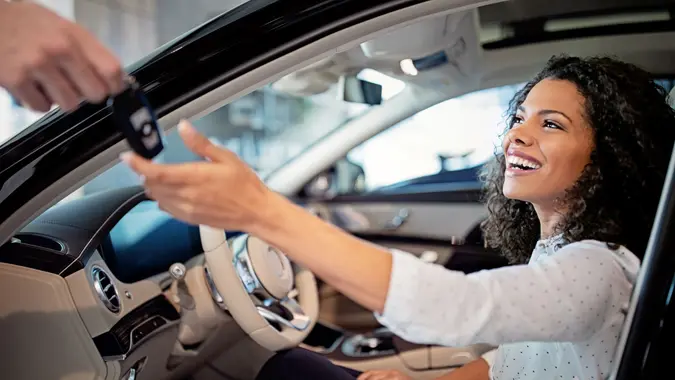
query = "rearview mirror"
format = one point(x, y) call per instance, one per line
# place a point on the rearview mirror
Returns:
point(355, 90)
point(344, 177)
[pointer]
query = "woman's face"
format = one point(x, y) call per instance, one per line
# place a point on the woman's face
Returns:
point(548, 145)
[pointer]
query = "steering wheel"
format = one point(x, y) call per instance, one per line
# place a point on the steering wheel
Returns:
point(254, 281)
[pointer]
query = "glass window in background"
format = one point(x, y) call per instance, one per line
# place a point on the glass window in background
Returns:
point(456, 134)
point(265, 128)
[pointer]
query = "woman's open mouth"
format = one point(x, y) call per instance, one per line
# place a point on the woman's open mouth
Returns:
point(519, 164)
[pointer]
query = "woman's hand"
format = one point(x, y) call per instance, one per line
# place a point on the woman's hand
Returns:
point(222, 193)
point(225, 193)
point(384, 375)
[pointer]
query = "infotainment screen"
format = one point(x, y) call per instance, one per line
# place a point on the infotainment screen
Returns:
point(146, 241)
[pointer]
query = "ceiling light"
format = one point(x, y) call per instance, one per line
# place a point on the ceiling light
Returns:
point(408, 67)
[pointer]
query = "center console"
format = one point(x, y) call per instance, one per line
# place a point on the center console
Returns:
point(382, 349)
point(378, 343)
point(340, 345)
point(324, 339)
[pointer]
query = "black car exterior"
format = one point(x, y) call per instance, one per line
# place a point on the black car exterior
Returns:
point(253, 34)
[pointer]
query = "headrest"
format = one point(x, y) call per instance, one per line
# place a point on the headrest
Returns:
point(671, 98)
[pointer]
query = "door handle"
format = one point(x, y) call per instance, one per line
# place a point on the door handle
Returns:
point(398, 220)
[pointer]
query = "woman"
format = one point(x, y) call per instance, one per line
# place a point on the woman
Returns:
point(573, 191)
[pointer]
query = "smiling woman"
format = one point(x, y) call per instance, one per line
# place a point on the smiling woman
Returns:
point(545, 149)
point(586, 150)
point(588, 201)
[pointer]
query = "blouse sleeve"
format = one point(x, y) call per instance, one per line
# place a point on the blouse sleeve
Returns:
point(562, 297)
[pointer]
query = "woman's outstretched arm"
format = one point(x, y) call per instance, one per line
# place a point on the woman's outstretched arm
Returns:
point(358, 269)
point(420, 302)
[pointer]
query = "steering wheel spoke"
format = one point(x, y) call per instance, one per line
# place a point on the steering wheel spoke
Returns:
point(272, 300)
point(287, 313)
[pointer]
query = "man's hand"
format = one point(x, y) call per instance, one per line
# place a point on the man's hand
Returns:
point(45, 59)
point(384, 375)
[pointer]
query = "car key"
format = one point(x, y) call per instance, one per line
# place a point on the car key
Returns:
point(137, 120)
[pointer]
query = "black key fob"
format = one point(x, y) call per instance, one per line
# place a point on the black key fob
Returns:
point(137, 121)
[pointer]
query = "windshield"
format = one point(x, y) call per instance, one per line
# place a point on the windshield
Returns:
point(265, 128)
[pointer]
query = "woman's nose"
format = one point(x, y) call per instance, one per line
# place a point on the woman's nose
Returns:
point(520, 136)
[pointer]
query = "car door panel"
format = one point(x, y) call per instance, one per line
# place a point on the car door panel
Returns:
point(436, 211)
point(437, 226)
point(445, 221)
point(339, 310)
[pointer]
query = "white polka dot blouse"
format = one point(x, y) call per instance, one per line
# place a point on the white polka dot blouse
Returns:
point(558, 317)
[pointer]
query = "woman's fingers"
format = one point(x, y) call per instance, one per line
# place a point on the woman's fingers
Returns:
point(168, 174)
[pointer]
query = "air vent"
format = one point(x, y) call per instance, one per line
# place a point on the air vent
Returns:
point(41, 241)
point(105, 289)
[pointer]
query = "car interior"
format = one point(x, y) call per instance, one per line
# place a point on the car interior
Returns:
point(108, 286)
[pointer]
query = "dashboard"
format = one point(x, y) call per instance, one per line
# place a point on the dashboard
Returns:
point(94, 272)
point(103, 262)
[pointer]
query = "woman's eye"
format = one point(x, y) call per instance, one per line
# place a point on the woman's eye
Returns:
point(550, 124)
point(517, 120)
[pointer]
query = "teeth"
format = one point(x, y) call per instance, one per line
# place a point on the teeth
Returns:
point(513, 160)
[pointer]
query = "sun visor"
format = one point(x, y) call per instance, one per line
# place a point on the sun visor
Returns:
point(418, 40)
point(311, 80)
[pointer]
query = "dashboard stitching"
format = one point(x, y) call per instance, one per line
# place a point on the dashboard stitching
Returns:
point(133, 198)
point(52, 222)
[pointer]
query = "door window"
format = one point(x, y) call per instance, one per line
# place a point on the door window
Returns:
point(457, 134)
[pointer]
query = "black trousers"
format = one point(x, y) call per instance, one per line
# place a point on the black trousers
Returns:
point(300, 364)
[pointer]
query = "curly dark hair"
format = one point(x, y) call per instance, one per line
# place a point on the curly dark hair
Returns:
point(617, 194)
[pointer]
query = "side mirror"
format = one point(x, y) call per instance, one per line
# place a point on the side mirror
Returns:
point(355, 90)
point(322, 186)
point(344, 177)
point(350, 177)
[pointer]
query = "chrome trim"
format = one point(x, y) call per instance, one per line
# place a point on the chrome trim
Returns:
point(177, 271)
point(133, 345)
point(115, 358)
point(61, 244)
point(244, 268)
point(300, 320)
point(215, 294)
point(352, 346)
point(330, 349)
point(96, 272)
